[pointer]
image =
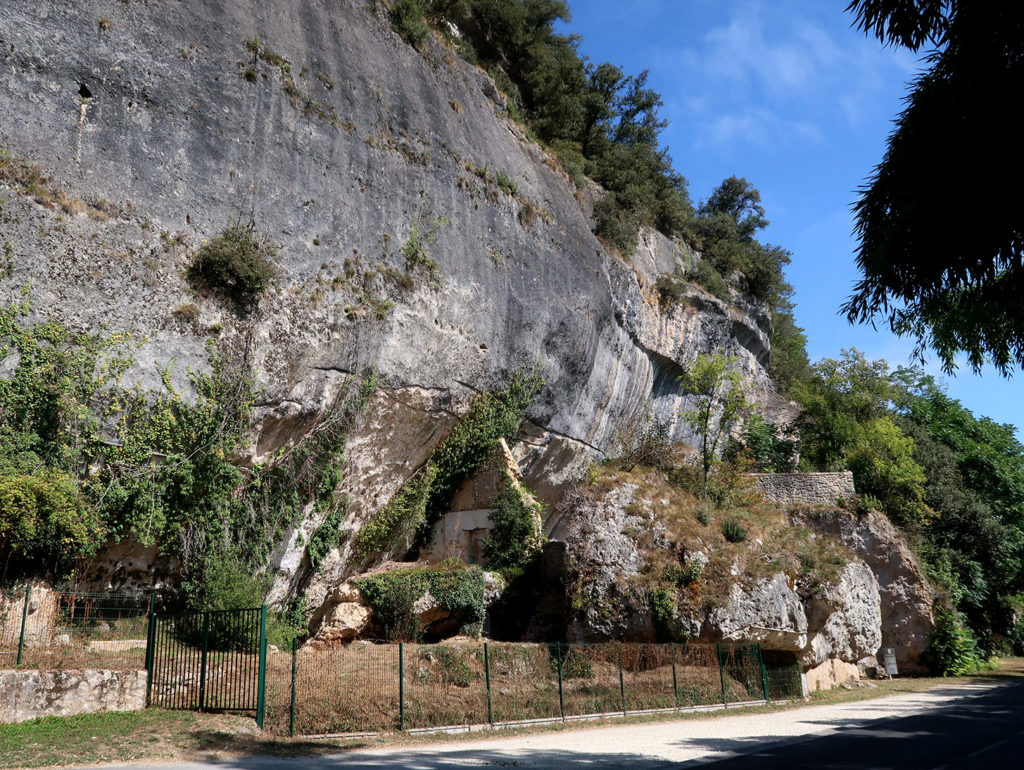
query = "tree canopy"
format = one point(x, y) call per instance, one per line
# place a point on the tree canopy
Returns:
point(941, 221)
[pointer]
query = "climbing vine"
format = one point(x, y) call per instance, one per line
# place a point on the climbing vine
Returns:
point(457, 589)
point(407, 520)
point(84, 460)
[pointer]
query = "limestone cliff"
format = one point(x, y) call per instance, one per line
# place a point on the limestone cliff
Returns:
point(168, 119)
point(374, 168)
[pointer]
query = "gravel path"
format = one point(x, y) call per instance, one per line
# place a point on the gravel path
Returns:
point(639, 746)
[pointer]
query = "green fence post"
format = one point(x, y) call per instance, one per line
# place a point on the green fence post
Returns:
point(202, 660)
point(291, 719)
point(150, 644)
point(561, 699)
point(764, 673)
point(261, 691)
point(675, 682)
point(401, 686)
point(487, 677)
point(622, 682)
point(25, 618)
point(721, 670)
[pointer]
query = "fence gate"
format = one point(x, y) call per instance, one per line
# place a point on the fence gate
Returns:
point(208, 661)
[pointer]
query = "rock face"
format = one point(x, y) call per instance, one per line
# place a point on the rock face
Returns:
point(167, 122)
point(841, 621)
point(612, 535)
point(906, 596)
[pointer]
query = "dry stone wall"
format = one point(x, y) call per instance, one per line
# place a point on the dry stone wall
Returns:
point(808, 488)
point(29, 694)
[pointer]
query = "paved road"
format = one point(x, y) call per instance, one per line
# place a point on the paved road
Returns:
point(956, 727)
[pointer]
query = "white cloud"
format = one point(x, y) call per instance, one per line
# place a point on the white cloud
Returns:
point(762, 78)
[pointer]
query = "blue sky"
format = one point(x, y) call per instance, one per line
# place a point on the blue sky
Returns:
point(788, 95)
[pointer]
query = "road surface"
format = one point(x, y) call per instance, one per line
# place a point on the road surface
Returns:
point(974, 726)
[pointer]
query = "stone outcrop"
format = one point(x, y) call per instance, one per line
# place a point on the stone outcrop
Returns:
point(841, 621)
point(30, 694)
point(906, 597)
point(806, 488)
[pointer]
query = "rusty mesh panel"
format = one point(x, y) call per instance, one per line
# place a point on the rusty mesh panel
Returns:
point(445, 684)
point(83, 630)
point(278, 694)
point(647, 676)
point(350, 688)
point(699, 682)
point(590, 679)
point(524, 681)
point(741, 666)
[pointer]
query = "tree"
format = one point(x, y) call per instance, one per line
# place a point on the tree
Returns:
point(941, 221)
point(719, 399)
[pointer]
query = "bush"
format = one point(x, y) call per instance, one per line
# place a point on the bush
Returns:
point(762, 445)
point(407, 19)
point(706, 276)
point(952, 648)
point(645, 441)
point(513, 539)
point(733, 531)
point(43, 518)
point(236, 265)
point(392, 595)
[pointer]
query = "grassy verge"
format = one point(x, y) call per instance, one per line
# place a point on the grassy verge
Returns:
point(155, 734)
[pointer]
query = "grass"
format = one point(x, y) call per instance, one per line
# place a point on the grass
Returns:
point(156, 734)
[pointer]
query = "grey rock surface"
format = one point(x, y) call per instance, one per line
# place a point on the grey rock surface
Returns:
point(906, 598)
point(168, 121)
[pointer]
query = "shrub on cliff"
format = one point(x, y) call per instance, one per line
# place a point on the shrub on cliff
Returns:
point(236, 265)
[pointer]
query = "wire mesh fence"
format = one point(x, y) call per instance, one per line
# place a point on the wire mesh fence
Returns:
point(784, 682)
point(72, 630)
point(367, 687)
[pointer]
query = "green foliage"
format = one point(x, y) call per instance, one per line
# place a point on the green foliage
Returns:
point(43, 518)
point(416, 251)
point(407, 19)
point(664, 611)
point(762, 445)
point(883, 465)
point(839, 396)
point(954, 288)
point(457, 589)
point(717, 392)
point(733, 531)
point(706, 274)
point(237, 265)
point(953, 481)
point(515, 538)
point(154, 466)
point(405, 514)
point(227, 583)
point(326, 537)
point(723, 231)
point(506, 182)
point(952, 649)
point(454, 668)
point(789, 363)
point(406, 521)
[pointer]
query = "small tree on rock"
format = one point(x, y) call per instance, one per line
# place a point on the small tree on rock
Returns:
point(719, 397)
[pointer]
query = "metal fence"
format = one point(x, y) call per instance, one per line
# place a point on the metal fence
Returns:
point(367, 687)
point(54, 629)
point(208, 661)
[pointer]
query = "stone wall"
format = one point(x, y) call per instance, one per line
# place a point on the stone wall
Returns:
point(810, 488)
point(28, 694)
